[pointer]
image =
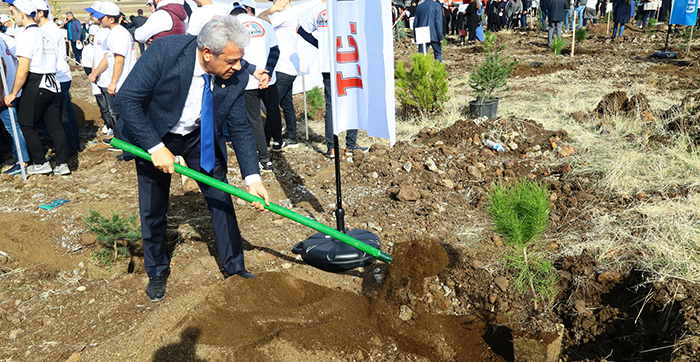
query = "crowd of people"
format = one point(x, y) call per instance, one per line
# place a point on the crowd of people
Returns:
point(464, 18)
point(105, 45)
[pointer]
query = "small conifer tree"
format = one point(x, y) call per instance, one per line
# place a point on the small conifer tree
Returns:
point(423, 89)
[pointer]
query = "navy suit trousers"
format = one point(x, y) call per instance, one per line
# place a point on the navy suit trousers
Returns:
point(154, 192)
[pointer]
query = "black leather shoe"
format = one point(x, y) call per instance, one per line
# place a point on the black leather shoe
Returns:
point(246, 274)
point(156, 288)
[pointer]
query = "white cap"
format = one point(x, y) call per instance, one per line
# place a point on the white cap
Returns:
point(248, 3)
point(95, 6)
point(4, 18)
point(25, 6)
point(107, 8)
point(41, 4)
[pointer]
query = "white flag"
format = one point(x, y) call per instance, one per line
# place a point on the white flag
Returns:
point(362, 67)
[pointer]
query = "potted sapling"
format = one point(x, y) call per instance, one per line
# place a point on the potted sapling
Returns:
point(488, 77)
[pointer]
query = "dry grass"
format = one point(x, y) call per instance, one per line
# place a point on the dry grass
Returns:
point(661, 236)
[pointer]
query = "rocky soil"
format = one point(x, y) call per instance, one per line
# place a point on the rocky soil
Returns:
point(446, 296)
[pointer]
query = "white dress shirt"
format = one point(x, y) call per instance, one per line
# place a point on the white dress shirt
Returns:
point(191, 113)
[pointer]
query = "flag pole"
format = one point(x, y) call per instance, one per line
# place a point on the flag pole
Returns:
point(339, 211)
point(15, 133)
point(303, 88)
point(573, 34)
point(690, 40)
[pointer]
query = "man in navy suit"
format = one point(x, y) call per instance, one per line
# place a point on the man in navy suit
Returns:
point(175, 101)
point(429, 14)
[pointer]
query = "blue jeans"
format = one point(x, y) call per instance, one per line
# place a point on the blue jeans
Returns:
point(622, 28)
point(567, 19)
point(544, 17)
point(5, 115)
point(646, 16)
point(437, 50)
point(70, 123)
point(523, 21)
point(351, 135)
point(285, 84)
point(579, 15)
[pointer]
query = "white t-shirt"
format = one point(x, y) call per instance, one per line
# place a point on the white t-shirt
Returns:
point(34, 45)
point(262, 38)
point(100, 39)
point(285, 23)
point(87, 60)
point(62, 68)
point(317, 20)
point(120, 42)
point(202, 15)
point(7, 52)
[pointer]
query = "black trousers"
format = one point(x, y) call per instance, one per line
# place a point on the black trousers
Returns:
point(109, 110)
point(273, 125)
point(78, 53)
point(154, 192)
point(47, 109)
point(284, 85)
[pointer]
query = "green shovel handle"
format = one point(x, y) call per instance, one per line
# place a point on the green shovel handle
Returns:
point(272, 207)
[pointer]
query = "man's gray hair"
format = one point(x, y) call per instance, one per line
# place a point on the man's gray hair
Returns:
point(220, 31)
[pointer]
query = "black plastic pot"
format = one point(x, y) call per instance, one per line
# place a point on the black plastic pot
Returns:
point(479, 108)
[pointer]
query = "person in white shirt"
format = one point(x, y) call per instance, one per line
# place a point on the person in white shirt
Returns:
point(8, 113)
point(317, 20)
point(118, 59)
point(285, 22)
point(206, 11)
point(41, 99)
point(63, 75)
point(262, 52)
point(87, 62)
point(99, 37)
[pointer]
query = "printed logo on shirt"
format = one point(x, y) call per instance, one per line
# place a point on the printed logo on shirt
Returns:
point(322, 19)
point(254, 29)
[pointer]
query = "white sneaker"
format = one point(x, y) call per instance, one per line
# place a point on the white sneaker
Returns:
point(107, 131)
point(62, 170)
point(39, 169)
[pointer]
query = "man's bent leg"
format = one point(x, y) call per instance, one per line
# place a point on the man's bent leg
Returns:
point(223, 217)
point(154, 192)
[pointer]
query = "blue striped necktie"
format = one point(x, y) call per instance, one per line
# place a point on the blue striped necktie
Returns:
point(207, 126)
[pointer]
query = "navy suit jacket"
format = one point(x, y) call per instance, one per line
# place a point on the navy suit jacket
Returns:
point(429, 13)
point(151, 100)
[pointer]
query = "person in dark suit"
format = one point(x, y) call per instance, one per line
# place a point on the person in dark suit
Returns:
point(138, 22)
point(429, 13)
point(175, 101)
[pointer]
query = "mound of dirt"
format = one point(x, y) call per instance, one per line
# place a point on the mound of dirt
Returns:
point(414, 261)
point(685, 117)
point(278, 308)
point(617, 103)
